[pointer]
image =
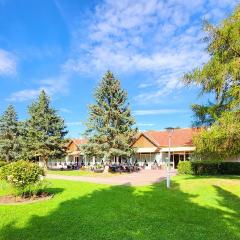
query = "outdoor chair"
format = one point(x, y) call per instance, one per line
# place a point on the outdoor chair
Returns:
point(154, 167)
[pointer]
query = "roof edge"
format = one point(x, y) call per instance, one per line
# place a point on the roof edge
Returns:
point(148, 137)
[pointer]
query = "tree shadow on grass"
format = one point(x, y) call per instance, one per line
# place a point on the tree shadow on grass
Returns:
point(211, 177)
point(53, 190)
point(125, 212)
point(232, 203)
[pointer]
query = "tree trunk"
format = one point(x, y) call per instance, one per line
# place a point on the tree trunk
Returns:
point(45, 162)
point(7, 158)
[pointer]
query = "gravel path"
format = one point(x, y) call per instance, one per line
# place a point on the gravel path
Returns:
point(144, 177)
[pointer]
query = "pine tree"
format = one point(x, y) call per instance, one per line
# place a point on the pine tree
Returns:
point(44, 132)
point(9, 135)
point(110, 129)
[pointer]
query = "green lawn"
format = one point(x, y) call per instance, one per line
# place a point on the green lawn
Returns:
point(194, 208)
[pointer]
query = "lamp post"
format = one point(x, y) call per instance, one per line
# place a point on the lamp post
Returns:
point(170, 132)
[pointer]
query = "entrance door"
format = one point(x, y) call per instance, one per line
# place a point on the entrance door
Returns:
point(177, 158)
point(81, 161)
point(77, 160)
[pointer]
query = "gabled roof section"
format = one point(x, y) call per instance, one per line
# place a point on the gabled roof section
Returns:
point(149, 138)
point(77, 141)
point(180, 137)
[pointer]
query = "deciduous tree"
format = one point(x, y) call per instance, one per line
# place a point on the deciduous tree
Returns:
point(222, 140)
point(220, 76)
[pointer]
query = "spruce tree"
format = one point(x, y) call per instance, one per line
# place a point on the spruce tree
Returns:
point(110, 129)
point(9, 135)
point(44, 132)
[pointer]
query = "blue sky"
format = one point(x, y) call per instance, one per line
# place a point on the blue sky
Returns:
point(65, 47)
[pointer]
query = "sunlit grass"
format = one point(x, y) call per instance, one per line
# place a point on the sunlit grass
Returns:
point(194, 208)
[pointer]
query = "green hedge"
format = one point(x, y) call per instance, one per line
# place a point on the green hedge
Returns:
point(3, 163)
point(230, 168)
point(205, 168)
point(209, 168)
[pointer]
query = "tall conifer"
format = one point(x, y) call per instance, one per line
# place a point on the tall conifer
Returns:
point(110, 126)
point(44, 131)
point(9, 135)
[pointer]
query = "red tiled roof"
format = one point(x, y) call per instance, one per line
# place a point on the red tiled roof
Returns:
point(79, 141)
point(180, 137)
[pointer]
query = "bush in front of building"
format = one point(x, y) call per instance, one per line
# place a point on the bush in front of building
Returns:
point(3, 163)
point(231, 168)
point(25, 177)
point(205, 167)
point(185, 167)
point(215, 168)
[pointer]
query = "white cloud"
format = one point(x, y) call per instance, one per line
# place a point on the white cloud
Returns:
point(158, 112)
point(55, 85)
point(168, 81)
point(65, 110)
point(23, 95)
point(50, 85)
point(8, 64)
point(121, 36)
point(157, 37)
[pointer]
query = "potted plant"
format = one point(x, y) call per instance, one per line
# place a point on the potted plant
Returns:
point(99, 168)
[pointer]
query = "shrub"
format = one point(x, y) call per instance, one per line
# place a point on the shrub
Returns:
point(205, 168)
point(26, 177)
point(99, 166)
point(229, 168)
point(30, 190)
point(215, 167)
point(3, 163)
point(185, 167)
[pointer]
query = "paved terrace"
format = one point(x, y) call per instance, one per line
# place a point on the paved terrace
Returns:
point(144, 177)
